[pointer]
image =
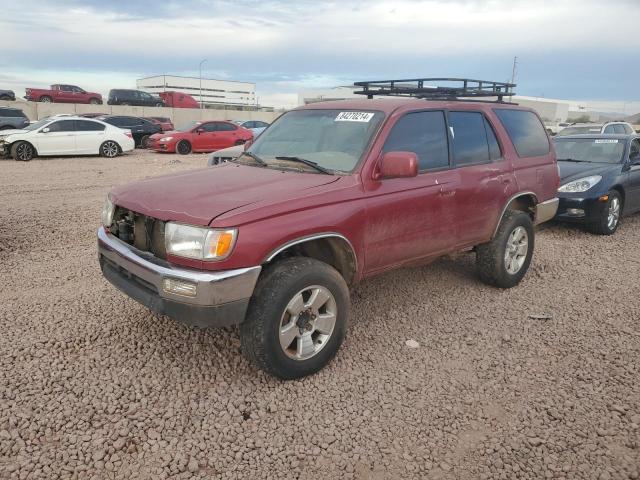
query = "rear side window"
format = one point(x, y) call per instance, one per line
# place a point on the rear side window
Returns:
point(226, 127)
point(11, 112)
point(469, 138)
point(526, 132)
point(425, 134)
point(88, 126)
point(628, 129)
point(609, 129)
point(63, 126)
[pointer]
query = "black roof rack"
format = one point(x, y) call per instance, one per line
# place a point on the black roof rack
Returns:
point(445, 89)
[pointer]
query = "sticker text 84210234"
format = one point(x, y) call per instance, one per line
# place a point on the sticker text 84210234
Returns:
point(354, 116)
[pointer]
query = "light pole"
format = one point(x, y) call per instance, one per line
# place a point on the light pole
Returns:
point(200, 68)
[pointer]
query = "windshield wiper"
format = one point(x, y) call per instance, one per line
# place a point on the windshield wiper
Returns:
point(570, 160)
point(255, 158)
point(306, 162)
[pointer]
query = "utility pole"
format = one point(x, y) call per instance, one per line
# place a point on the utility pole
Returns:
point(513, 74)
point(200, 68)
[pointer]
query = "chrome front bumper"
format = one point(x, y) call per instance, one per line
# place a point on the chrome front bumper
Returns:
point(221, 298)
point(545, 211)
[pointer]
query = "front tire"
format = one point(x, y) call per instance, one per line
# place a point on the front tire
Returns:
point(504, 261)
point(22, 151)
point(239, 142)
point(46, 99)
point(297, 318)
point(183, 147)
point(110, 149)
point(609, 219)
point(94, 101)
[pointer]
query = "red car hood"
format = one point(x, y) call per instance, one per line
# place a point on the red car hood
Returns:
point(170, 133)
point(198, 196)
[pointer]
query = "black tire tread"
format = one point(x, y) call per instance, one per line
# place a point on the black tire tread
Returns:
point(273, 277)
point(489, 256)
point(600, 227)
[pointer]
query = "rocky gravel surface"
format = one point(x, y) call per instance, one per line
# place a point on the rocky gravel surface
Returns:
point(440, 377)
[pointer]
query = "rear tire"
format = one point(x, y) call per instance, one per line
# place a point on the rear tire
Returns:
point(159, 104)
point(297, 318)
point(609, 219)
point(110, 149)
point(183, 147)
point(22, 151)
point(5, 97)
point(504, 261)
point(46, 99)
point(144, 141)
point(240, 142)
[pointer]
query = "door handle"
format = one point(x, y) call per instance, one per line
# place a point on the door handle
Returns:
point(505, 179)
point(445, 192)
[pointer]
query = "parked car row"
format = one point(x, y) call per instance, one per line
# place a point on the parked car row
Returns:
point(62, 93)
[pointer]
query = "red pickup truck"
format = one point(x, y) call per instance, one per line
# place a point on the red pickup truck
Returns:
point(63, 94)
point(330, 194)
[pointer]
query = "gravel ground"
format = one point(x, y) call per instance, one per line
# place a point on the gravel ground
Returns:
point(92, 385)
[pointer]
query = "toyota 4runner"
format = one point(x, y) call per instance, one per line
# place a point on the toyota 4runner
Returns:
point(332, 193)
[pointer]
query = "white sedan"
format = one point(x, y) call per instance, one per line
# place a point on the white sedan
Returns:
point(66, 135)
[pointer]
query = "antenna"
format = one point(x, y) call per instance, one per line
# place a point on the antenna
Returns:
point(513, 74)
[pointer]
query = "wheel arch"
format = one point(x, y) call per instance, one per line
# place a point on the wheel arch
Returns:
point(620, 189)
point(522, 201)
point(329, 247)
point(35, 150)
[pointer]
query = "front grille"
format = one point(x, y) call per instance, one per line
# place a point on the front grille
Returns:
point(143, 232)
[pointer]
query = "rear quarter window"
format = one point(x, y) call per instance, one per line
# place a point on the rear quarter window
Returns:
point(525, 130)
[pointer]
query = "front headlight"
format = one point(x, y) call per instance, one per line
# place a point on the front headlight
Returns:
point(199, 243)
point(107, 212)
point(580, 185)
point(166, 139)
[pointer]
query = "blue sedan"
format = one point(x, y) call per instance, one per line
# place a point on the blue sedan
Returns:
point(599, 178)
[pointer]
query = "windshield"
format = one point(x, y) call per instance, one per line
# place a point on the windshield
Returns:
point(333, 139)
point(188, 127)
point(38, 124)
point(580, 130)
point(595, 150)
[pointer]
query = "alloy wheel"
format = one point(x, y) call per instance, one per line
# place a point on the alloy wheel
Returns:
point(24, 152)
point(109, 149)
point(516, 250)
point(614, 213)
point(308, 322)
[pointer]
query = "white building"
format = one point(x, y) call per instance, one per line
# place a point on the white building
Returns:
point(210, 92)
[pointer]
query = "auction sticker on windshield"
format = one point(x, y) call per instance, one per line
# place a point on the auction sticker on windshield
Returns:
point(608, 140)
point(354, 117)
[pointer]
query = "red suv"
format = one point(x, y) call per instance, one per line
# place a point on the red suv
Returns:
point(330, 194)
point(200, 137)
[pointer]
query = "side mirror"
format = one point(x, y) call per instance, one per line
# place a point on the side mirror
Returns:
point(200, 130)
point(45, 130)
point(397, 165)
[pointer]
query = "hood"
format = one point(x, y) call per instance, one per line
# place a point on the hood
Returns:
point(172, 133)
point(570, 171)
point(198, 196)
point(6, 133)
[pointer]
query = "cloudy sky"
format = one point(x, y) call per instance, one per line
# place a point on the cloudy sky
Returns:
point(575, 49)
